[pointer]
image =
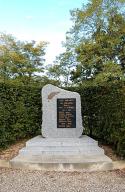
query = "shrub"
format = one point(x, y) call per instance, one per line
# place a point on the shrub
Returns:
point(20, 113)
point(103, 112)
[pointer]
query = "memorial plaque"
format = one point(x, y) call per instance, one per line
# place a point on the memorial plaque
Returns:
point(66, 113)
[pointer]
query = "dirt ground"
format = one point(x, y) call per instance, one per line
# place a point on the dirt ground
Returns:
point(12, 150)
point(110, 153)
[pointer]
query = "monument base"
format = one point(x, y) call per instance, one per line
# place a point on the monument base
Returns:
point(62, 154)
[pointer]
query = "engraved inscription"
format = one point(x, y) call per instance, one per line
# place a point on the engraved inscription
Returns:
point(66, 113)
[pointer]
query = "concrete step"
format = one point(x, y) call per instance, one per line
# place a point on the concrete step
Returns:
point(61, 158)
point(59, 146)
point(63, 163)
point(62, 150)
point(65, 144)
point(39, 141)
point(62, 154)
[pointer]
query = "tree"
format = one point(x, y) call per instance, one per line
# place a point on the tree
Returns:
point(54, 72)
point(61, 70)
point(20, 61)
point(97, 40)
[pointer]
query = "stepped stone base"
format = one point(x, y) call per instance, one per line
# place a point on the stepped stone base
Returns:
point(62, 154)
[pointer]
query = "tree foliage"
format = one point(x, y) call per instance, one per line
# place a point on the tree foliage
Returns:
point(96, 41)
point(61, 70)
point(20, 61)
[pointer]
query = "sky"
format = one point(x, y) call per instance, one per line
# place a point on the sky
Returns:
point(39, 20)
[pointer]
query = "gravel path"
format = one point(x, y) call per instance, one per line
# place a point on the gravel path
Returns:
point(39, 181)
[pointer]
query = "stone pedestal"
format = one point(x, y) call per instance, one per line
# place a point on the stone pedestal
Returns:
point(62, 154)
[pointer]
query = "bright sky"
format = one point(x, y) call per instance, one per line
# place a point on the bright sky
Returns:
point(46, 20)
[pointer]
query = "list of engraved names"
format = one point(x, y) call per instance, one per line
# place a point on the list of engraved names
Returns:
point(66, 113)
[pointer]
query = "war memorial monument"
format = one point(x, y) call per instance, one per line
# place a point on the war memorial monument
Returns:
point(62, 145)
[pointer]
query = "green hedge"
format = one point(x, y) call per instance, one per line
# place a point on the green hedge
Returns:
point(103, 111)
point(20, 113)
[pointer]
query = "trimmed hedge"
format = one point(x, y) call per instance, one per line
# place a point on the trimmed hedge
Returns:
point(20, 113)
point(103, 111)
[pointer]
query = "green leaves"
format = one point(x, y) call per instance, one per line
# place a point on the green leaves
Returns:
point(103, 111)
point(20, 112)
point(96, 39)
point(110, 72)
point(20, 61)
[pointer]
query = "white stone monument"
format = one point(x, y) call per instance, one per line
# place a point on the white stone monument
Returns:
point(62, 145)
point(61, 113)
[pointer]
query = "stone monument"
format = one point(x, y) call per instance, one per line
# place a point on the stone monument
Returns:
point(61, 113)
point(62, 145)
